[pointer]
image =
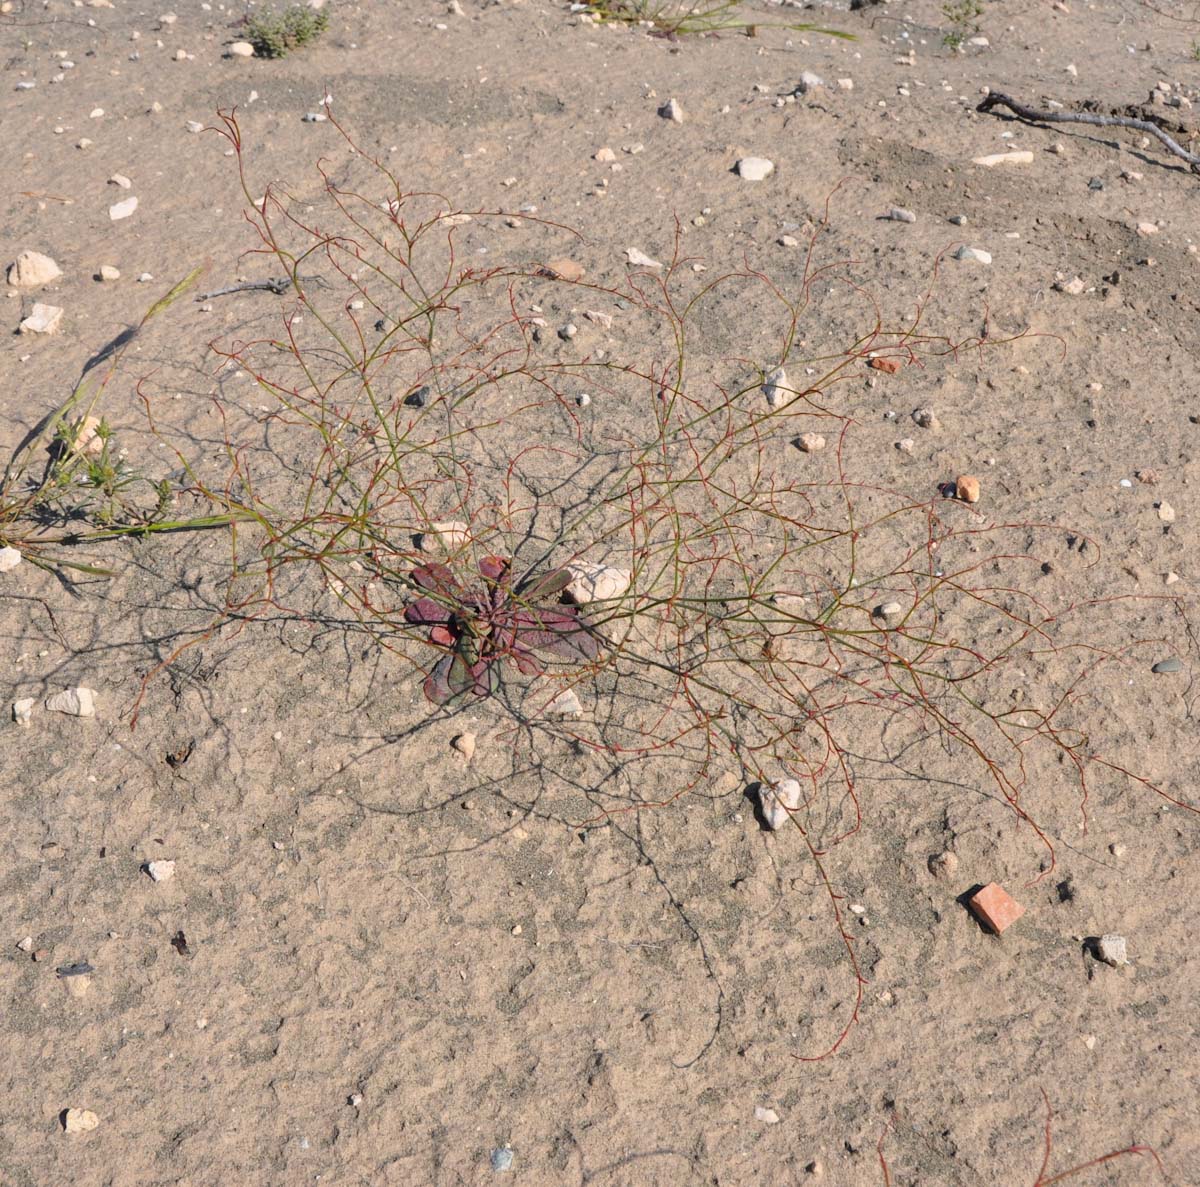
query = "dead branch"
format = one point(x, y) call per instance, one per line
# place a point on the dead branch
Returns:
point(1031, 114)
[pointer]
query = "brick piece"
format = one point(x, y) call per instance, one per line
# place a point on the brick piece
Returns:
point(995, 908)
point(891, 366)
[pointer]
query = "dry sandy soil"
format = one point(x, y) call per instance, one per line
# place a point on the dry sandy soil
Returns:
point(377, 963)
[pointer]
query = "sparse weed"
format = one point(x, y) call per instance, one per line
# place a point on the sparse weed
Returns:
point(963, 15)
point(276, 34)
point(69, 484)
point(672, 18)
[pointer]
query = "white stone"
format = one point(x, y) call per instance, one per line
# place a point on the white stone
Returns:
point(45, 319)
point(889, 612)
point(445, 535)
point(639, 259)
point(788, 241)
point(605, 155)
point(22, 710)
point(565, 704)
point(1147, 229)
point(767, 1116)
point(809, 82)
point(1166, 512)
point(755, 168)
point(31, 270)
point(10, 558)
point(120, 210)
point(845, 84)
point(78, 702)
point(241, 49)
point(810, 442)
point(25, 945)
point(79, 1121)
point(119, 179)
point(778, 801)
point(1017, 157)
point(1072, 287)
point(975, 254)
point(161, 871)
point(776, 388)
point(464, 743)
point(591, 582)
point(926, 418)
point(108, 272)
point(1111, 950)
point(899, 215)
point(671, 110)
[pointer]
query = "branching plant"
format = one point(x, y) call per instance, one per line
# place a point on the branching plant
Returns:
point(778, 606)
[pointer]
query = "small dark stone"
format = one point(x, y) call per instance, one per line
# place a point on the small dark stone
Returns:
point(1168, 665)
point(419, 398)
point(1096, 183)
point(80, 968)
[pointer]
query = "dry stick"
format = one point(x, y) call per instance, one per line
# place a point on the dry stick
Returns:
point(996, 99)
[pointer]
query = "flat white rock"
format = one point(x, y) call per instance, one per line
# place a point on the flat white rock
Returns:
point(1111, 950)
point(45, 319)
point(639, 259)
point(591, 582)
point(120, 210)
point(671, 110)
point(78, 702)
point(778, 801)
point(776, 388)
point(1021, 157)
point(161, 871)
point(10, 558)
point(31, 270)
point(241, 49)
point(974, 254)
point(566, 704)
point(444, 535)
point(809, 82)
point(108, 272)
point(810, 443)
point(79, 1121)
point(755, 168)
point(22, 710)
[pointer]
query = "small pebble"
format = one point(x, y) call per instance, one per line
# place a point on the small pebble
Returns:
point(502, 1159)
point(1111, 950)
point(809, 82)
point(1165, 666)
point(767, 1116)
point(775, 387)
point(926, 418)
point(582, 400)
point(788, 241)
point(22, 711)
point(966, 488)
point(25, 945)
point(899, 215)
point(671, 110)
point(639, 259)
point(565, 704)
point(778, 801)
point(943, 866)
point(974, 254)
point(44, 319)
point(241, 49)
point(1166, 512)
point(464, 743)
point(32, 269)
point(79, 1121)
point(888, 612)
point(810, 442)
point(755, 168)
point(76, 702)
point(108, 272)
point(161, 871)
point(10, 558)
point(119, 179)
point(906, 445)
point(120, 210)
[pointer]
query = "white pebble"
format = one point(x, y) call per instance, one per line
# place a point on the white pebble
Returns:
point(161, 871)
point(974, 254)
point(755, 168)
point(778, 801)
point(78, 702)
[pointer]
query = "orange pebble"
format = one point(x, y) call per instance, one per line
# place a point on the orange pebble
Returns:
point(995, 908)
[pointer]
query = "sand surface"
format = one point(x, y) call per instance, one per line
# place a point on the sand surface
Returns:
point(379, 962)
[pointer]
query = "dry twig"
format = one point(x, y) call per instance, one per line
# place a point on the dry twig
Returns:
point(996, 99)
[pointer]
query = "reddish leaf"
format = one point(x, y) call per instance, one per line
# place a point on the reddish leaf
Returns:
point(559, 631)
point(426, 610)
point(493, 568)
point(436, 578)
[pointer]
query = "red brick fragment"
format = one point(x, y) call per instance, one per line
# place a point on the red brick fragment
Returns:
point(891, 366)
point(563, 269)
point(995, 908)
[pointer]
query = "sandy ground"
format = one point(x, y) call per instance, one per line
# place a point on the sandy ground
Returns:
point(379, 964)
